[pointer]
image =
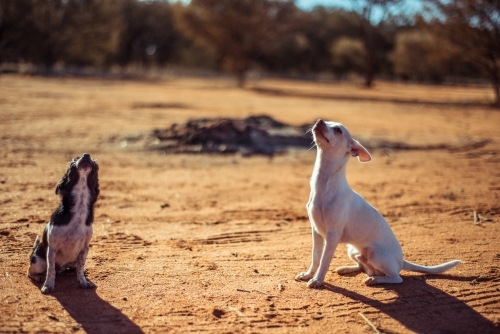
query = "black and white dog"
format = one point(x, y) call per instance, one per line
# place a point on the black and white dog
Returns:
point(66, 238)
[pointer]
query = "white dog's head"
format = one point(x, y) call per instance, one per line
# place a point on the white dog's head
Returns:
point(334, 139)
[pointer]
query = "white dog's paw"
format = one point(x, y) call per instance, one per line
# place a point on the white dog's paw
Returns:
point(84, 284)
point(303, 276)
point(314, 283)
point(47, 288)
point(370, 281)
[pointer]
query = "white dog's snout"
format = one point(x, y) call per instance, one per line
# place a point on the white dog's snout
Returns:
point(320, 128)
point(319, 123)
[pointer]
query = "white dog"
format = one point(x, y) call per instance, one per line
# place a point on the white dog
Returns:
point(339, 215)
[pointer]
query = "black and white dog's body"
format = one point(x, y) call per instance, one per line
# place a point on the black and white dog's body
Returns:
point(66, 238)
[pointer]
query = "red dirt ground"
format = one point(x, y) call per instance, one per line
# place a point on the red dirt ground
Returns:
point(211, 243)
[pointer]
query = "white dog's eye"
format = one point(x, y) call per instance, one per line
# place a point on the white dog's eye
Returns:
point(337, 130)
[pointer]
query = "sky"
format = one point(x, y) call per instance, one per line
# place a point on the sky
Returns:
point(407, 6)
point(309, 4)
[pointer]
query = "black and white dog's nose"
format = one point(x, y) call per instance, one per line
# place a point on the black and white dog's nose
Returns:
point(84, 160)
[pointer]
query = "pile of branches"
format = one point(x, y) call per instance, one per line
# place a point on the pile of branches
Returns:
point(252, 135)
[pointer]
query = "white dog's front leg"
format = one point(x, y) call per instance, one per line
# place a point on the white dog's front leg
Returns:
point(48, 286)
point(332, 240)
point(80, 269)
point(317, 250)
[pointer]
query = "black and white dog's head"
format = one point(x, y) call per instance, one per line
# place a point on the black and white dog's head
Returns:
point(83, 166)
point(79, 189)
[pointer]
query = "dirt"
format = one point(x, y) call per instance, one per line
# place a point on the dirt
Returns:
point(212, 242)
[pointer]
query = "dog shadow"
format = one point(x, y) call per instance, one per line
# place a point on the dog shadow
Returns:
point(90, 311)
point(423, 308)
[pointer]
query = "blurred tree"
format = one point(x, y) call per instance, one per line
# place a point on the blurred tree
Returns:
point(322, 28)
point(306, 48)
point(30, 31)
point(474, 27)
point(149, 36)
point(91, 31)
point(365, 11)
point(75, 32)
point(240, 32)
point(189, 53)
point(348, 56)
point(421, 56)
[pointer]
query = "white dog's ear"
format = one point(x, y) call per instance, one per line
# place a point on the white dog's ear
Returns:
point(357, 150)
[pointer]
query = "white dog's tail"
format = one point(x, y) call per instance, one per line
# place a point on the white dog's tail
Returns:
point(430, 269)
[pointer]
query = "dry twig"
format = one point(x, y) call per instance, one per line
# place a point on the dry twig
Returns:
point(476, 220)
point(369, 323)
point(483, 218)
point(235, 310)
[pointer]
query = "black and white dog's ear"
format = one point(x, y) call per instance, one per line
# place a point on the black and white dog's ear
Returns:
point(61, 185)
point(96, 185)
point(37, 242)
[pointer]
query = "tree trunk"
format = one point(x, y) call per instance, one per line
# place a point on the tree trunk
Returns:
point(495, 81)
point(370, 70)
point(496, 88)
point(242, 78)
point(369, 43)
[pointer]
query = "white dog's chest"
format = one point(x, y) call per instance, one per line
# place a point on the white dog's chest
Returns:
point(326, 216)
point(317, 218)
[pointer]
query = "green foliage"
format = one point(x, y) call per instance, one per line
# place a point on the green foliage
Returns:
point(31, 31)
point(306, 48)
point(90, 33)
point(421, 56)
point(348, 55)
point(73, 32)
point(149, 36)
